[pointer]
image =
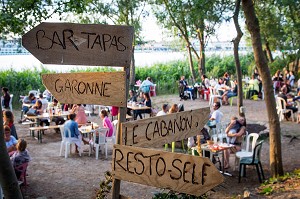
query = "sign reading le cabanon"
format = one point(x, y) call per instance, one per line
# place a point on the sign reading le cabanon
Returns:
point(80, 44)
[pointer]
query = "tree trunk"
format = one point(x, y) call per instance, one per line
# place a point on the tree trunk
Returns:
point(191, 63)
point(8, 179)
point(297, 66)
point(269, 53)
point(261, 63)
point(236, 43)
point(132, 70)
point(201, 60)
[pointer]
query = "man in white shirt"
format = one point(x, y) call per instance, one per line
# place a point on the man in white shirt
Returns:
point(164, 111)
point(216, 116)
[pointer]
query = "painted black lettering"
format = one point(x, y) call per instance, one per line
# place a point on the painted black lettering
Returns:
point(180, 173)
point(204, 172)
point(98, 89)
point(60, 87)
point(176, 125)
point(58, 42)
point(156, 129)
point(164, 166)
point(68, 86)
point(114, 42)
point(37, 36)
point(182, 123)
point(189, 122)
point(193, 175)
point(128, 161)
point(170, 127)
point(97, 41)
point(81, 87)
point(162, 127)
point(70, 37)
point(142, 163)
point(184, 171)
point(124, 47)
point(119, 160)
point(133, 135)
point(147, 131)
point(88, 37)
point(150, 162)
point(74, 85)
point(106, 38)
point(105, 89)
point(90, 88)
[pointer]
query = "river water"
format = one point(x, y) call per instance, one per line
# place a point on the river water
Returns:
point(142, 59)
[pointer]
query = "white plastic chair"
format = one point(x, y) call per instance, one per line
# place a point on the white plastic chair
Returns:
point(67, 141)
point(248, 152)
point(113, 137)
point(99, 133)
point(213, 95)
point(35, 92)
point(10, 102)
point(281, 109)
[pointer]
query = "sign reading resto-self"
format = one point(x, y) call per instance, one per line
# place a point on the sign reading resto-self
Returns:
point(88, 88)
point(80, 44)
point(179, 172)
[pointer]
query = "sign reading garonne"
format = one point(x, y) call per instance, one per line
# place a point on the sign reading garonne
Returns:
point(80, 44)
point(88, 88)
point(179, 172)
point(156, 131)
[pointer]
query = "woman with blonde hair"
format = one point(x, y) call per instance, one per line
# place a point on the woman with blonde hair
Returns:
point(174, 108)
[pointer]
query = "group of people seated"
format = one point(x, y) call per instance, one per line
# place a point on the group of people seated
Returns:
point(16, 147)
point(280, 80)
point(143, 99)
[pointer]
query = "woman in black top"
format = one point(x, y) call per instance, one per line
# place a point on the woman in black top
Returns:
point(147, 102)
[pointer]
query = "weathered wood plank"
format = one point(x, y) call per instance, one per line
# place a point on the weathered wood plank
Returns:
point(156, 131)
point(107, 88)
point(80, 44)
point(179, 172)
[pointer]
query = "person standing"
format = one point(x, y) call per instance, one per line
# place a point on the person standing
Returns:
point(6, 98)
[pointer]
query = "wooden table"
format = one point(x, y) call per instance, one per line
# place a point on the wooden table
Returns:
point(40, 130)
point(138, 107)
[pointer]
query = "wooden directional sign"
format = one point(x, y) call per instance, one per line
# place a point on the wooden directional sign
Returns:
point(80, 44)
point(156, 131)
point(88, 88)
point(179, 172)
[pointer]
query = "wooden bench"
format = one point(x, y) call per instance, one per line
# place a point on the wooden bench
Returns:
point(40, 130)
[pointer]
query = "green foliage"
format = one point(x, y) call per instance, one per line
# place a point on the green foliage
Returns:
point(174, 195)
point(105, 186)
point(273, 185)
point(278, 64)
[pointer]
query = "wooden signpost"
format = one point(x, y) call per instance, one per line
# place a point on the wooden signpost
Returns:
point(106, 45)
point(157, 131)
point(88, 88)
point(80, 44)
point(179, 172)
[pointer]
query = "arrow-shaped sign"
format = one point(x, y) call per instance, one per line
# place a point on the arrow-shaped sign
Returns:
point(179, 172)
point(157, 131)
point(80, 44)
point(107, 88)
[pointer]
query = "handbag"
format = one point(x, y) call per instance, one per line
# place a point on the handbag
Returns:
point(31, 112)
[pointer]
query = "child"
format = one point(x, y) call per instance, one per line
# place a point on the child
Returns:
point(20, 157)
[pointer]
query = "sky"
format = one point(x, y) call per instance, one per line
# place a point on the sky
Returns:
point(152, 31)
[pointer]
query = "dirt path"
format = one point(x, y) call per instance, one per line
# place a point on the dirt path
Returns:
point(51, 176)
